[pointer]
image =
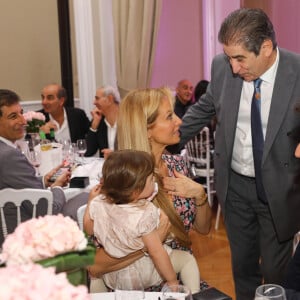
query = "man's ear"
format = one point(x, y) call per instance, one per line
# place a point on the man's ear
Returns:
point(267, 48)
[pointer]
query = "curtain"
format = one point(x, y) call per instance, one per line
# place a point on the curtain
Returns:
point(136, 27)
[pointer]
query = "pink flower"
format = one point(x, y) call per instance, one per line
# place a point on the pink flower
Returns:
point(41, 238)
point(33, 282)
point(34, 121)
point(31, 115)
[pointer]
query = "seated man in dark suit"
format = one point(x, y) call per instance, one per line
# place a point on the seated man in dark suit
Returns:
point(69, 123)
point(102, 133)
point(16, 171)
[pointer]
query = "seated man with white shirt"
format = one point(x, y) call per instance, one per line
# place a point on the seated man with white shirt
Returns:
point(69, 123)
point(102, 133)
point(17, 172)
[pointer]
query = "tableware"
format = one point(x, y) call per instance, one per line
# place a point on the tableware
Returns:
point(81, 148)
point(35, 158)
point(270, 292)
point(68, 153)
point(129, 285)
point(176, 292)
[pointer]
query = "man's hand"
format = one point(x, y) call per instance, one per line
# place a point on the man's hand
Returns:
point(96, 118)
point(48, 126)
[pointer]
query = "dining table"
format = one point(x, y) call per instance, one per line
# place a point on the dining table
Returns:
point(111, 296)
point(90, 167)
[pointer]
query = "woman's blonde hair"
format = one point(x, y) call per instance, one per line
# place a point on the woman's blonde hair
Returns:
point(138, 111)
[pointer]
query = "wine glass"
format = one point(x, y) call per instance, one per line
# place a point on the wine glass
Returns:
point(176, 292)
point(81, 148)
point(129, 285)
point(35, 158)
point(270, 292)
point(67, 153)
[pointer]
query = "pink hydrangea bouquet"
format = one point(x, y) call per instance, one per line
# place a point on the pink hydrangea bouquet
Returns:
point(32, 281)
point(52, 240)
point(34, 121)
point(42, 238)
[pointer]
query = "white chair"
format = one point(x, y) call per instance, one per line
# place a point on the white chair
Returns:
point(17, 197)
point(198, 158)
point(80, 214)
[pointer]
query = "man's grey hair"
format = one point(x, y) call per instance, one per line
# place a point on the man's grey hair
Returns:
point(110, 90)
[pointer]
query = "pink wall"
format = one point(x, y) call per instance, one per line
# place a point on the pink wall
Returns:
point(178, 53)
point(285, 18)
point(179, 50)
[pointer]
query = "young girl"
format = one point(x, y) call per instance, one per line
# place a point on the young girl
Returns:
point(124, 220)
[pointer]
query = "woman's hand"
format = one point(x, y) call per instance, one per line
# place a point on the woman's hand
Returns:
point(182, 186)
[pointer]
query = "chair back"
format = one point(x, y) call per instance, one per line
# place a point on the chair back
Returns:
point(198, 152)
point(198, 158)
point(80, 215)
point(17, 197)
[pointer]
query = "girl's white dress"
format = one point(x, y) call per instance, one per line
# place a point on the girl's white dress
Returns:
point(119, 229)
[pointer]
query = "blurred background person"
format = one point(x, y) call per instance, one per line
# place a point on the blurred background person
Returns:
point(101, 135)
point(69, 123)
point(184, 97)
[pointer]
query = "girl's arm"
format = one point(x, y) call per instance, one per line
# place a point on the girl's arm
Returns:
point(88, 223)
point(160, 257)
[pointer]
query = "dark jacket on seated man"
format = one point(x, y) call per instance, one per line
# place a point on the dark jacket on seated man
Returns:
point(77, 120)
point(97, 140)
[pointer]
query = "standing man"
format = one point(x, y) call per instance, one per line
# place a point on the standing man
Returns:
point(102, 133)
point(261, 200)
point(184, 96)
point(68, 123)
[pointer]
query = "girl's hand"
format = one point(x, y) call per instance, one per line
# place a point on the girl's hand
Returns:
point(94, 192)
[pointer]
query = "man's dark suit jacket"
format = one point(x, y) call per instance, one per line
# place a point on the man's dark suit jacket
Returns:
point(16, 172)
point(77, 120)
point(97, 140)
point(280, 167)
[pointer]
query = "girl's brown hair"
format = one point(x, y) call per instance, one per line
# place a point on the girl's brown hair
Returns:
point(124, 173)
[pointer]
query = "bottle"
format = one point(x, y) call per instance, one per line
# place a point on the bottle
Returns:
point(52, 135)
point(44, 144)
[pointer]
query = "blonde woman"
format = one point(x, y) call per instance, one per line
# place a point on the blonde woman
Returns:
point(147, 122)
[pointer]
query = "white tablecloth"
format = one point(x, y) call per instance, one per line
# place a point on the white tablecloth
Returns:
point(91, 167)
point(111, 296)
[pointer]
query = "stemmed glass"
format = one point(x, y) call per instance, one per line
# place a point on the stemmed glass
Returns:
point(270, 292)
point(176, 292)
point(81, 148)
point(68, 152)
point(129, 285)
point(35, 159)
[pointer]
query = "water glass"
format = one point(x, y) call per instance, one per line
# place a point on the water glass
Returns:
point(129, 285)
point(270, 292)
point(176, 292)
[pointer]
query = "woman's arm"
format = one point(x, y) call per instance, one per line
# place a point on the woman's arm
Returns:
point(202, 222)
point(160, 257)
point(183, 186)
point(105, 263)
